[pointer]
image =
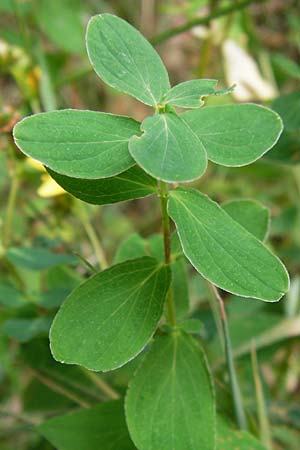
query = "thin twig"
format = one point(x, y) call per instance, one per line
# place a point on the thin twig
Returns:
point(234, 385)
point(202, 20)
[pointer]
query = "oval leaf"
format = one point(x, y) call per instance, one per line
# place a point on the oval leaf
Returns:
point(223, 251)
point(100, 427)
point(168, 149)
point(80, 144)
point(189, 94)
point(109, 319)
point(134, 183)
point(235, 135)
point(252, 215)
point(170, 401)
point(229, 438)
point(125, 60)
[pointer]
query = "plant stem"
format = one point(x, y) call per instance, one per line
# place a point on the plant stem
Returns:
point(91, 233)
point(264, 425)
point(234, 385)
point(202, 20)
point(171, 313)
point(58, 388)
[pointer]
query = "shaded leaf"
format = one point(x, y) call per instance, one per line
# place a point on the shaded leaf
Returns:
point(125, 60)
point(134, 183)
point(223, 251)
point(23, 330)
point(252, 215)
point(102, 426)
point(170, 401)
point(287, 150)
point(38, 258)
point(108, 320)
point(235, 135)
point(168, 149)
point(80, 144)
point(10, 297)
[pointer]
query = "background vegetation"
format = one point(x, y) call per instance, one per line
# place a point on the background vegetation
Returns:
point(50, 241)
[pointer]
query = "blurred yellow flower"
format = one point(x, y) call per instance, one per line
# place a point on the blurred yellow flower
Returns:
point(48, 187)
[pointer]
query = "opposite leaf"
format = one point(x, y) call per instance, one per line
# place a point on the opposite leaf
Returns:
point(109, 319)
point(223, 251)
point(134, 183)
point(170, 401)
point(125, 60)
point(80, 144)
point(235, 135)
point(189, 93)
point(100, 427)
point(252, 215)
point(168, 150)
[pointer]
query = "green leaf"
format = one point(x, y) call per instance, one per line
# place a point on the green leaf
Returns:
point(287, 150)
point(223, 251)
point(125, 60)
point(38, 258)
point(168, 149)
point(170, 401)
point(252, 215)
point(189, 94)
point(133, 183)
point(100, 427)
point(23, 330)
point(133, 247)
point(235, 135)
point(80, 144)
point(109, 319)
point(229, 438)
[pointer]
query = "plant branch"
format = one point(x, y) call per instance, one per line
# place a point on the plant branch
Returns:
point(234, 385)
point(202, 20)
point(164, 195)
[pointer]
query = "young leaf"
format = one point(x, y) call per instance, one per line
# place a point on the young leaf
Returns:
point(223, 251)
point(100, 427)
point(125, 60)
point(235, 135)
point(252, 215)
point(287, 150)
point(133, 183)
point(189, 93)
point(109, 319)
point(168, 149)
point(80, 144)
point(170, 401)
